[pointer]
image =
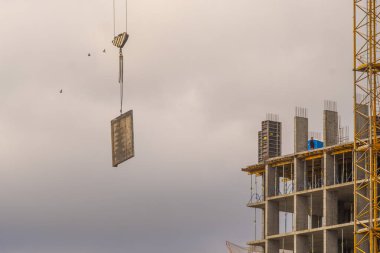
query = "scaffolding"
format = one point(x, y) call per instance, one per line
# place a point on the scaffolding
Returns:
point(257, 187)
point(257, 197)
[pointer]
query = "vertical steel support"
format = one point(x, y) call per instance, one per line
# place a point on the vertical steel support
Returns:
point(334, 170)
point(312, 174)
point(341, 243)
point(275, 182)
point(284, 179)
point(304, 175)
point(292, 176)
point(366, 98)
point(343, 171)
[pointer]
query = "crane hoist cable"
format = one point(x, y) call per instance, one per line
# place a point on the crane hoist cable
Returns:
point(119, 41)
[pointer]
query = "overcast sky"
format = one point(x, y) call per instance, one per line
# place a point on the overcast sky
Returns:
point(200, 76)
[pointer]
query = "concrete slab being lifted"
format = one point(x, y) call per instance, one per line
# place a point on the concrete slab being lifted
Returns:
point(122, 138)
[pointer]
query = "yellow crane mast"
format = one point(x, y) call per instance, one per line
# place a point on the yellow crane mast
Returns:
point(366, 125)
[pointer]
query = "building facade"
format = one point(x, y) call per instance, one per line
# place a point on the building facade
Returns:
point(303, 202)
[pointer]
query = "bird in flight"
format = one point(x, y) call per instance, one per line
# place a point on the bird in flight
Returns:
point(104, 50)
point(61, 91)
point(89, 54)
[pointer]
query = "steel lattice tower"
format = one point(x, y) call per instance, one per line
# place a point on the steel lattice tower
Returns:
point(366, 124)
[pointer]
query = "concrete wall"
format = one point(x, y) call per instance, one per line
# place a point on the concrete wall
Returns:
point(330, 244)
point(302, 244)
point(330, 128)
point(271, 181)
point(317, 211)
point(273, 218)
point(302, 211)
point(329, 165)
point(300, 134)
point(331, 208)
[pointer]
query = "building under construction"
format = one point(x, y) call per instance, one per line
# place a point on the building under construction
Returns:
point(304, 202)
point(325, 198)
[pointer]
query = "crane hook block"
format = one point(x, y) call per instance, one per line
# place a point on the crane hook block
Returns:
point(120, 40)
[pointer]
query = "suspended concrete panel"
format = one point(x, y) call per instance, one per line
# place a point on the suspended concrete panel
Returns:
point(122, 138)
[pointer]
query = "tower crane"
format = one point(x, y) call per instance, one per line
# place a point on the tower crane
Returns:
point(366, 67)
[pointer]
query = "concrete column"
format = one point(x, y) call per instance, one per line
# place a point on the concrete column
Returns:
point(330, 244)
point(300, 134)
point(266, 204)
point(331, 207)
point(299, 174)
point(267, 178)
point(295, 243)
point(272, 182)
point(330, 128)
point(329, 169)
point(325, 210)
point(294, 225)
point(302, 207)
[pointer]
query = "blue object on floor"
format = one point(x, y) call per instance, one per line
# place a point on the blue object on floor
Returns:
point(317, 144)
